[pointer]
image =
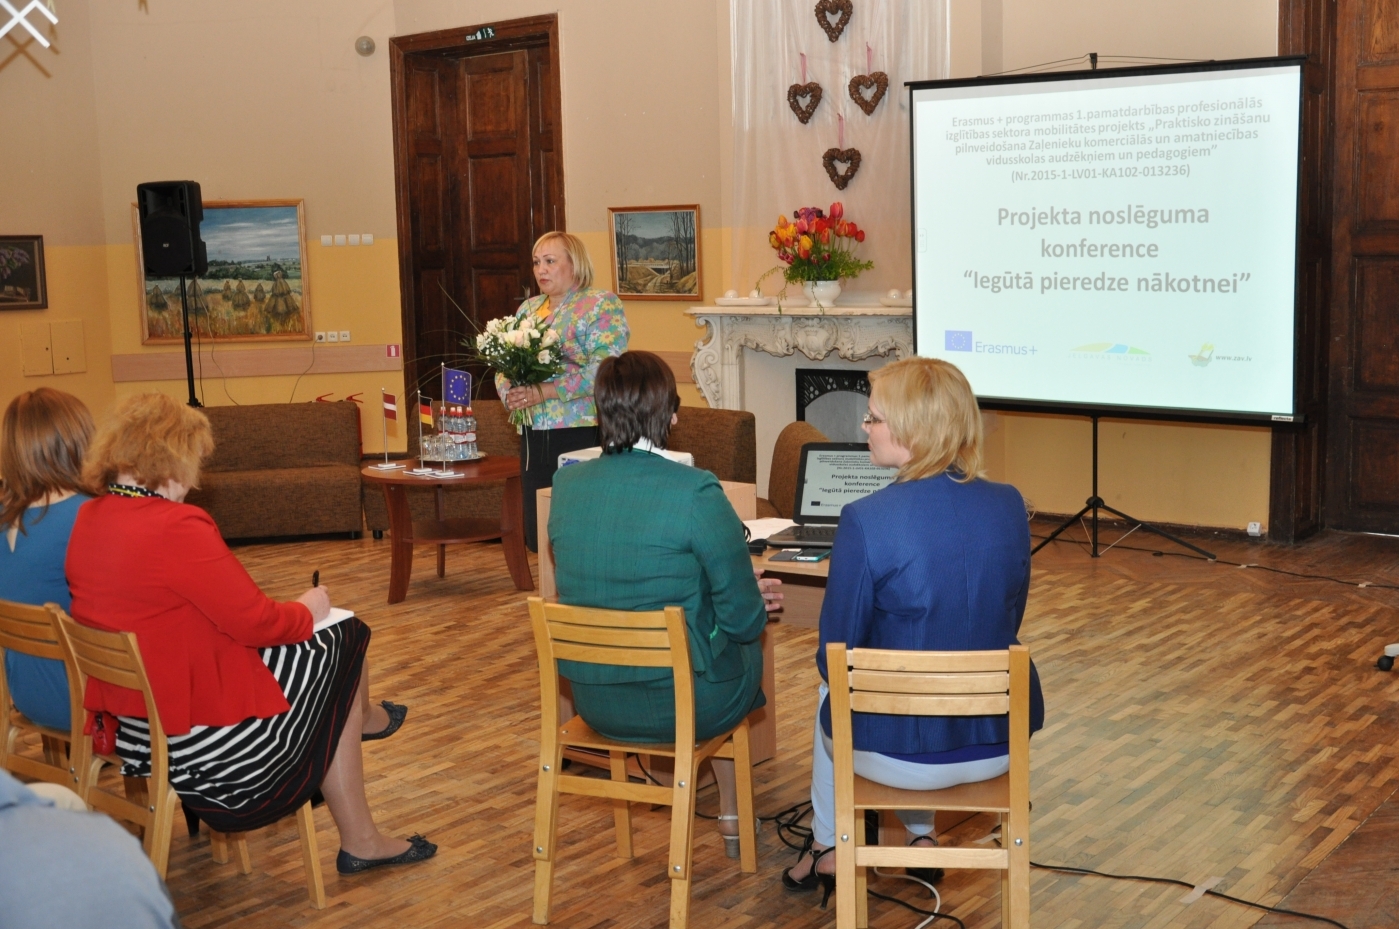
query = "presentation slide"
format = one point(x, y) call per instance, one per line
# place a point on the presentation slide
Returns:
point(1112, 242)
point(835, 477)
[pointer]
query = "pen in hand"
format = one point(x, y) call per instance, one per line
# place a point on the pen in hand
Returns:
point(316, 578)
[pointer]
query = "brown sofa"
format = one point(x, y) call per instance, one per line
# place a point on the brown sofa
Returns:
point(283, 469)
point(786, 459)
point(722, 441)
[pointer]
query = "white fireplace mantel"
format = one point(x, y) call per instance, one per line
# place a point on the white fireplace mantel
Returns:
point(849, 332)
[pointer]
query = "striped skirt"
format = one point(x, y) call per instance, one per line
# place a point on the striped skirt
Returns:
point(254, 773)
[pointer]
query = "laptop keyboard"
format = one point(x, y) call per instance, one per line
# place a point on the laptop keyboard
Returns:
point(812, 533)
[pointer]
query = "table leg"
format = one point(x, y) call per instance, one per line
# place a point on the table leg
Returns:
point(512, 535)
point(401, 543)
point(441, 515)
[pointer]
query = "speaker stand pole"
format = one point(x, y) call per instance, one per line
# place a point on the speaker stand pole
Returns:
point(189, 354)
point(1096, 503)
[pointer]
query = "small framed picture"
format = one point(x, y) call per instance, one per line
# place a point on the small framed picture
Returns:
point(22, 283)
point(656, 252)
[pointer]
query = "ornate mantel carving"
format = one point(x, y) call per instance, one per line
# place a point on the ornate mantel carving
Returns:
point(850, 332)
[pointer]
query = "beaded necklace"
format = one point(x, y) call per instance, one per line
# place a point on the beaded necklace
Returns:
point(129, 490)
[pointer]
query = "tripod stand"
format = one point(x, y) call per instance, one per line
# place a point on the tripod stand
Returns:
point(1096, 503)
point(189, 354)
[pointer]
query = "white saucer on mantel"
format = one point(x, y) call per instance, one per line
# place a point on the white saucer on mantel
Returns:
point(894, 298)
point(743, 301)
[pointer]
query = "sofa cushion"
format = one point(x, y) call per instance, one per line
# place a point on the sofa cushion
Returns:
point(283, 435)
point(282, 501)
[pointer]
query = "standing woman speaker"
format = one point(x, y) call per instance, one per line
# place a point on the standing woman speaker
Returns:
point(592, 326)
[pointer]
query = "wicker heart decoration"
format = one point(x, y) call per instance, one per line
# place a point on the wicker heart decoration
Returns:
point(796, 91)
point(879, 81)
point(848, 156)
point(828, 8)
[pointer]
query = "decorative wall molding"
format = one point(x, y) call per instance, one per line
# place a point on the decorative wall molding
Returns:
point(255, 362)
point(852, 333)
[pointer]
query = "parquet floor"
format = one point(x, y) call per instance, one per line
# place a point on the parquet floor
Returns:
point(1203, 720)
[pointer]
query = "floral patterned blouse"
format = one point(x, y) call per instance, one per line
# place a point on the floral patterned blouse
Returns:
point(591, 325)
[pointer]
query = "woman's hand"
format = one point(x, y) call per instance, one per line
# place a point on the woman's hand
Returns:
point(518, 398)
point(771, 589)
point(317, 600)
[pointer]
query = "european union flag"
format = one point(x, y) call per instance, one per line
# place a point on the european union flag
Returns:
point(957, 340)
point(456, 386)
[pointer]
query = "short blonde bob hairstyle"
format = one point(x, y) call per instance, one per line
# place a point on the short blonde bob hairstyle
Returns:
point(930, 410)
point(577, 253)
point(152, 437)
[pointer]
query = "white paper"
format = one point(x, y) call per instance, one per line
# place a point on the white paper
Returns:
point(766, 528)
point(336, 615)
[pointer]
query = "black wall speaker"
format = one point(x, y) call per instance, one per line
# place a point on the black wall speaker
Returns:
point(171, 212)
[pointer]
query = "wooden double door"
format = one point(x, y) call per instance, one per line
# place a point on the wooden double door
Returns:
point(479, 178)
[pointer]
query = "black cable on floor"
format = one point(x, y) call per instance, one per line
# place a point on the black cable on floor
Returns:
point(1170, 880)
point(918, 910)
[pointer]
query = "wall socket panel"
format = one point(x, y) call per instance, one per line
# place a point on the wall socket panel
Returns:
point(1255, 530)
point(320, 337)
point(332, 336)
point(344, 335)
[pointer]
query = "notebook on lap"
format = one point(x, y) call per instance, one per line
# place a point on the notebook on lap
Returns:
point(830, 475)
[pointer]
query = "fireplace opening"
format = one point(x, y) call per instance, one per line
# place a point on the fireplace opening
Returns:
point(834, 402)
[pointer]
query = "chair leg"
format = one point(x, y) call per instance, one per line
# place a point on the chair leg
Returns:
point(682, 826)
point(621, 809)
point(862, 898)
point(311, 855)
point(54, 753)
point(546, 814)
point(159, 835)
point(743, 778)
point(441, 561)
point(1005, 899)
point(218, 846)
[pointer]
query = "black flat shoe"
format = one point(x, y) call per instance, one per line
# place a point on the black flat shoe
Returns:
point(930, 875)
point(419, 849)
point(397, 714)
point(813, 879)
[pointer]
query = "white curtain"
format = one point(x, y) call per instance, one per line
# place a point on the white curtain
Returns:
point(778, 160)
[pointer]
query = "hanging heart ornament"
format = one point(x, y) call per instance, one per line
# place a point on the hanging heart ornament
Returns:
point(850, 157)
point(794, 95)
point(878, 82)
point(826, 9)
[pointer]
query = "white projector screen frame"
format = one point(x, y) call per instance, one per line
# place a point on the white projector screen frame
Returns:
point(1042, 272)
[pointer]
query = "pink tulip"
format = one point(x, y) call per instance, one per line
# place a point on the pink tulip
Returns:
point(837, 210)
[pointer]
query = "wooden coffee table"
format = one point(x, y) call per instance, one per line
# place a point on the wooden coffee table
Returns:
point(405, 532)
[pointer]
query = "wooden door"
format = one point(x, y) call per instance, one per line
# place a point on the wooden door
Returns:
point(1363, 425)
point(479, 178)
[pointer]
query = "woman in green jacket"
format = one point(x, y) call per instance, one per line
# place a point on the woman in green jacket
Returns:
point(633, 530)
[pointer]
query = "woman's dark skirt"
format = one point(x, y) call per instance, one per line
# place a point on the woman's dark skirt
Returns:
point(254, 773)
point(539, 459)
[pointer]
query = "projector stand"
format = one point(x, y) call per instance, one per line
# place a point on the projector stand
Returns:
point(189, 354)
point(1095, 503)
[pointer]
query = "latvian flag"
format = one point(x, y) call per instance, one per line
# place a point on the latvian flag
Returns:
point(390, 407)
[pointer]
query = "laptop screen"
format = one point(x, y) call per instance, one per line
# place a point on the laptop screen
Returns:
point(834, 474)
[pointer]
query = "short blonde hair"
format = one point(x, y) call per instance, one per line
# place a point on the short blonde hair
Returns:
point(577, 253)
point(152, 437)
point(931, 411)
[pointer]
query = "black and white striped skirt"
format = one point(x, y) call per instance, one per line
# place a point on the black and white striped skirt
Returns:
point(254, 773)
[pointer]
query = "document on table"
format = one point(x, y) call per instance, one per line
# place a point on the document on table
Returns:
point(766, 528)
point(336, 615)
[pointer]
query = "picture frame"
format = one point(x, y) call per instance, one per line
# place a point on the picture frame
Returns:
point(655, 252)
point(23, 281)
point(256, 289)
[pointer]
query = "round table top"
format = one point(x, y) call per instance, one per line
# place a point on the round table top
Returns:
point(490, 468)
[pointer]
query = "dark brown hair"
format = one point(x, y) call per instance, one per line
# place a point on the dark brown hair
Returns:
point(42, 441)
point(153, 438)
point(636, 397)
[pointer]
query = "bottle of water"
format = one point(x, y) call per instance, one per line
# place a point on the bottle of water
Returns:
point(468, 425)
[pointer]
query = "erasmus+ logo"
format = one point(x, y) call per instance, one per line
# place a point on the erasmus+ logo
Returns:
point(957, 340)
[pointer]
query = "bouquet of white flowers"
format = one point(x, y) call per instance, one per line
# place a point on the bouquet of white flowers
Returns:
point(522, 351)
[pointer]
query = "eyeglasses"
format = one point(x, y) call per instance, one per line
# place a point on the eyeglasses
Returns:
point(870, 419)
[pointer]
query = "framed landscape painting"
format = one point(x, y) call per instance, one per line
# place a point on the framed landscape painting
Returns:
point(22, 282)
point(255, 289)
point(656, 252)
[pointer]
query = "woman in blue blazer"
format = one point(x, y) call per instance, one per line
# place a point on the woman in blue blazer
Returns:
point(937, 561)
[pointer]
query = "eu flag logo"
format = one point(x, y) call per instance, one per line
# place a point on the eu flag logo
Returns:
point(456, 386)
point(957, 340)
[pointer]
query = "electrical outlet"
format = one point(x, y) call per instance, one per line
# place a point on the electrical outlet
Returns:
point(339, 240)
point(1255, 530)
point(344, 335)
point(332, 336)
point(366, 238)
point(320, 337)
point(327, 241)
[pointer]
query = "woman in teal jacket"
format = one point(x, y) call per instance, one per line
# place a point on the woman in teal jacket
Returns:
point(633, 530)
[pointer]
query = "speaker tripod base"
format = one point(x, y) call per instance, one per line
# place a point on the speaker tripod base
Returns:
point(1093, 505)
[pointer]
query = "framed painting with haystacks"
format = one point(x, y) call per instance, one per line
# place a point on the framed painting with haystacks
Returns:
point(255, 289)
point(656, 252)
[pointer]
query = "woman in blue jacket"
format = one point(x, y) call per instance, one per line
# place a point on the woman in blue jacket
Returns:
point(937, 561)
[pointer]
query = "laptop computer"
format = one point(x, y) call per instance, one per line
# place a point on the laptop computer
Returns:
point(830, 475)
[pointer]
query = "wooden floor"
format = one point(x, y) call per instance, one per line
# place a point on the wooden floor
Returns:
point(1203, 720)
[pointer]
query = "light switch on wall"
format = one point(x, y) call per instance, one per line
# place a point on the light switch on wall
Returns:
point(367, 238)
point(327, 241)
point(352, 239)
point(339, 240)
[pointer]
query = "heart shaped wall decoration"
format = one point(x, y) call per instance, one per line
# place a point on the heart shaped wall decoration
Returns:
point(794, 95)
point(826, 9)
point(878, 82)
point(850, 157)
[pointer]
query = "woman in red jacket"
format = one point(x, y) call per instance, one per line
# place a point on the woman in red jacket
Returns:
point(261, 709)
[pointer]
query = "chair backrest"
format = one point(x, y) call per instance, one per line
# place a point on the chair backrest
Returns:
point(656, 639)
point(982, 683)
point(33, 630)
point(786, 459)
point(723, 442)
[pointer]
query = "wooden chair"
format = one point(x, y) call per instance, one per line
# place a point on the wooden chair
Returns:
point(114, 657)
point(931, 684)
point(658, 640)
point(33, 630)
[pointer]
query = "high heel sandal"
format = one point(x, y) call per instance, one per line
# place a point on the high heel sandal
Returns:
point(731, 848)
point(814, 878)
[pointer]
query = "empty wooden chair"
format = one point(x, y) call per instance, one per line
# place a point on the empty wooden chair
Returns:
point(33, 630)
point(115, 657)
point(986, 683)
point(655, 639)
